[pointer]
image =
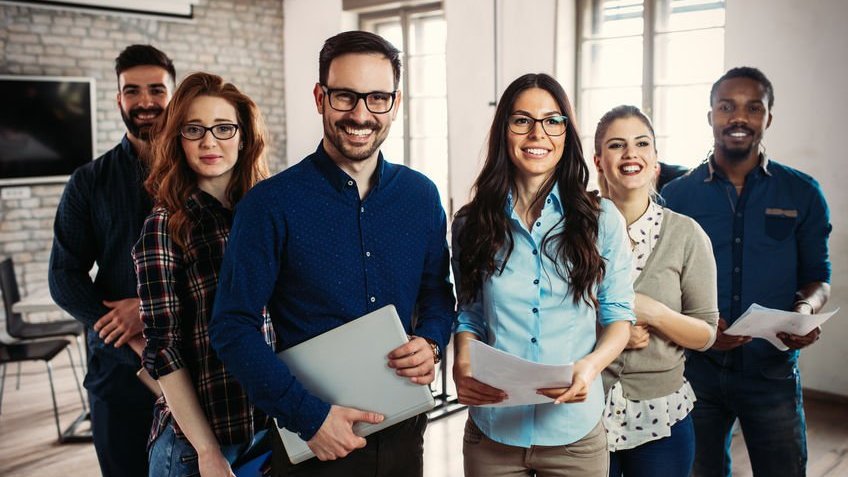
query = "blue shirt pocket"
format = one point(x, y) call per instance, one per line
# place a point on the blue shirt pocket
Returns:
point(780, 223)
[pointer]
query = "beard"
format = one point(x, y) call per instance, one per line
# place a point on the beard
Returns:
point(336, 135)
point(739, 153)
point(141, 131)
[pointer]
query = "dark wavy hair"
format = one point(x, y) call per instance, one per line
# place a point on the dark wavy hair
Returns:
point(486, 228)
point(356, 41)
point(171, 180)
point(144, 55)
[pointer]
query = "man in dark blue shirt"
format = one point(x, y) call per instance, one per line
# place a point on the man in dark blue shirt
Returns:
point(769, 226)
point(98, 220)
point(340, 234)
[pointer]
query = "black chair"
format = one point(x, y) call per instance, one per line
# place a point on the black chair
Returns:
point(43, 351)
point(20, 329)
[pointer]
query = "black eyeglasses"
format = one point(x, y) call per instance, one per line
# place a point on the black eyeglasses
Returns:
point(195, 132)
point(378, 102)
point(523, 124)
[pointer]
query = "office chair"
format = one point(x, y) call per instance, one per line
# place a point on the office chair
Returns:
point(19, 329)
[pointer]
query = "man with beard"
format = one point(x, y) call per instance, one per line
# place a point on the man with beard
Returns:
point(98, 220)
point(769, 226)
point(336, 236)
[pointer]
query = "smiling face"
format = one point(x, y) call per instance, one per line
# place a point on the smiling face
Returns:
point(739, 118)
point(627, 159)
point(144, 91)
point(356, 135)
point(210, 158)
point(535, 154)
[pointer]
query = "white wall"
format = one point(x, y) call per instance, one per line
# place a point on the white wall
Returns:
point(801, 47)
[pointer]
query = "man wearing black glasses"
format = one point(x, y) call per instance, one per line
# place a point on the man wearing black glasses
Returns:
point(341, 234)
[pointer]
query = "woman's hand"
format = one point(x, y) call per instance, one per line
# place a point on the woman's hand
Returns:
point(213, 464)
point(639, 337)
point(472, 392)
point(585, 373)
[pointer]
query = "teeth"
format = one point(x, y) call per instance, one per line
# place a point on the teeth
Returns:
point(738, 134)
point(536, 151)
point(629, 169)
point(358, 132)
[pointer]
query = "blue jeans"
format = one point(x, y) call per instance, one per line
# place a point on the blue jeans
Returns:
point(670, 456)
point(174, 457)
point(766, 400)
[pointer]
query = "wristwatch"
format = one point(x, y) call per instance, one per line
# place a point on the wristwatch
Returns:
point(437, 352)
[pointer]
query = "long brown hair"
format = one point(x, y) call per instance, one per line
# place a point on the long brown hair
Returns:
point(172, 181)
point(486, 228)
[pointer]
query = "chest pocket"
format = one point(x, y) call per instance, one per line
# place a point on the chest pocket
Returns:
point(780, 223)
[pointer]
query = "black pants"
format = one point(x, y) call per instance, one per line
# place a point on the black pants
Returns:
point(397, 451)
point(121, 416)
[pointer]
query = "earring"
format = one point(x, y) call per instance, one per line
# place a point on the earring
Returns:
point(241, 146)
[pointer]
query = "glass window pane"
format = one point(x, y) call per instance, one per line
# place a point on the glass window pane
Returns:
point(430, 157)
point(391, 30)
point(675, 15)
point(392, 149)
point(612, 62)
point(615, 18)
point(677, 61)
point(429, 117)
point(427, 35)
point(680, 120)
point(428, 76)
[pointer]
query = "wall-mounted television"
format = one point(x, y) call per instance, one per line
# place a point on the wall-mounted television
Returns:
point(47, 127)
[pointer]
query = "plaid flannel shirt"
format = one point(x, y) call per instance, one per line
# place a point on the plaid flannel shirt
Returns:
point(177, 289)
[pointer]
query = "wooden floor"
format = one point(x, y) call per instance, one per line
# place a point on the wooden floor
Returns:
point(28, 444)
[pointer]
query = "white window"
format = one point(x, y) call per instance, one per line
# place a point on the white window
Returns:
point(660, 55)
point(419, 136)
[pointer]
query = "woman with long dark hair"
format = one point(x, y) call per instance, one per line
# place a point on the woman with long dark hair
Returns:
point(208, 151)
point(649, 400)
point(538, 262)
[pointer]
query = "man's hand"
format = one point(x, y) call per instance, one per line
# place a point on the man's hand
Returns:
point(414, 360)
point(335, 438)
point(725, 342)
point(472, 392)
point(798, 341)
point(639, 337)
point(213, 464)
point(584, 375)
point(121, 323)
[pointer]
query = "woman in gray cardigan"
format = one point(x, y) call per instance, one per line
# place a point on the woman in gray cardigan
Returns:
point(649, 430)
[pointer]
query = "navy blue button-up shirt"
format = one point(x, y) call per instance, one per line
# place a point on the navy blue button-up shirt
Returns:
point(306, 245)
point(768, 242)
point(98, 220)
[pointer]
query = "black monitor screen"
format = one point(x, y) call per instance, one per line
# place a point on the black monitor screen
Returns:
point(46, 127)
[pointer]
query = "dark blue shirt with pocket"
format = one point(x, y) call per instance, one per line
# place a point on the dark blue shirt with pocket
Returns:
point(768, 242)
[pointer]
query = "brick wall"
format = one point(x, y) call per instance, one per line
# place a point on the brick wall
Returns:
point(241, 41)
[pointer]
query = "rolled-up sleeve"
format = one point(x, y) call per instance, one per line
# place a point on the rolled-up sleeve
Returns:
point(157, 263)
point(470, 316)
point(615, 292)
point(812, 234)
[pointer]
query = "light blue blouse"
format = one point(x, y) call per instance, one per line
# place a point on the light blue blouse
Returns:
point(528, 311)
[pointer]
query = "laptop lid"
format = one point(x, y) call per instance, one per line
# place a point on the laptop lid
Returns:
point(348, 366)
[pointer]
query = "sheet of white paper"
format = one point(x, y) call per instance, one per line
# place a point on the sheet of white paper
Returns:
point(761, 322)
point(517, 377)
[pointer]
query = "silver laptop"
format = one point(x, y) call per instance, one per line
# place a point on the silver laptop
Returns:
point(348, 366)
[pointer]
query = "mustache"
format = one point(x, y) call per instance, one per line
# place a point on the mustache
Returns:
point(155, 110)
point(730, 129)
point(349, 123)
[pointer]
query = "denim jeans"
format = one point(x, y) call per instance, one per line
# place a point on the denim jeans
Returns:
point(766, 400)
point(174, 457)
point(670, 456)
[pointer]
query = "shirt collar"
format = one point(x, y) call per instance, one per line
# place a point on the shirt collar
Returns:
point(199, 199)
point(336, 176)
point(712, 168)
point(552, 200)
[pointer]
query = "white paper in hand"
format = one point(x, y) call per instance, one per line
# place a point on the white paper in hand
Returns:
point(515, 376)
point(761, 322)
